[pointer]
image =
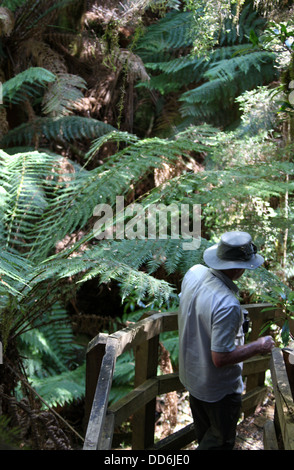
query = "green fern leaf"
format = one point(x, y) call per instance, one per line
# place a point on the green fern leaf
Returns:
point(26, 84)
point(61, 388)
point(12, 4)
point(68, 128)
point(63, 94)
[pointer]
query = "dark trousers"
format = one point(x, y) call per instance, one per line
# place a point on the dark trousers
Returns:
point(215, 423)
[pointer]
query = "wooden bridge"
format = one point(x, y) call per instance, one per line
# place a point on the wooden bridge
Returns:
point(143, 338)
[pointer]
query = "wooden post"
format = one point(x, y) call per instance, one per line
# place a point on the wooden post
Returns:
point(284, 399)
point(94, 356)
point(146, 356)
point(258, 319)
point(94, 435)
point(269, 436)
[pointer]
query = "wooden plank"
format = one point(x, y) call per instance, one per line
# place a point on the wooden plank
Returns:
point(253, 398)
point(256, 364)
point(99, 407)
point(146, 363)
point(169, 383)
point(283, 398)
point(170, 321)
point(177, 440)
point(138, 333)
point(269, 436)
point(254, 371)
point(133, 401)
point(281, 380)
point(94, 357)
point(258, 319)
point(150, 326)
point(107, 432)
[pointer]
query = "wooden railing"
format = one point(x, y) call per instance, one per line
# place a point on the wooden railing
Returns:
point(143, 337)
point(278, 434)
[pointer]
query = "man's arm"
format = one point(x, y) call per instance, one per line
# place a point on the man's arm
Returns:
point(262, 345)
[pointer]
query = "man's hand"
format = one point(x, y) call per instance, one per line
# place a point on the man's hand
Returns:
point(266, 344)
point(262, 345)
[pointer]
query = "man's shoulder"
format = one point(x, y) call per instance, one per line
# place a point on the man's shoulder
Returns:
point(196, 270)
point(193, 277)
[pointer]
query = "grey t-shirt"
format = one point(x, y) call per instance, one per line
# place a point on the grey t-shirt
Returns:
point(210, 319)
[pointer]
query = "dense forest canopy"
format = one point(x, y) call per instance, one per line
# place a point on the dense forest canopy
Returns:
point(184, 102)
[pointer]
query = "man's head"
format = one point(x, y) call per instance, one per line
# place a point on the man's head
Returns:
point(235, 252)
point(233, 274)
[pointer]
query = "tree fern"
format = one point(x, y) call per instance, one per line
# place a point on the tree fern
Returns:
point(49, 347)
point(236, 29)
point(66, 128)
point(172, 32)
point(41, 205)
point(77, 194)
point(14, 267)
point(12, 4)
point(227, 79)
point(26, 84)
point(33, 16)
point(63, 95)
point(226, 71)
point(61, 389)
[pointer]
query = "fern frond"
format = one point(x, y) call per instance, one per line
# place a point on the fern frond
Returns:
point(74, 203)
point(229, 74)
point(242, 64)
point(63, 388)
point(170, 33)
point(228, 78)
point(51, 342)
point(33, 16)
point(26, 84)
point(62, 96)
point(12, 5)
point(67, 128)
point(237, 30)
point(15, 268)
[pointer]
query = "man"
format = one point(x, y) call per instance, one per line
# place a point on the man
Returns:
point(211, 339)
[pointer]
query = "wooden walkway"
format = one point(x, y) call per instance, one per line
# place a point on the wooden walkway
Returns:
point(143, 338)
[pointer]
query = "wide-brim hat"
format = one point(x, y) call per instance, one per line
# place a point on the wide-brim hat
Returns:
point(234, 251)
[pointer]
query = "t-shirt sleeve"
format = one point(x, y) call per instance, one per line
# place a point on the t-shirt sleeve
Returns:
point(225, 326)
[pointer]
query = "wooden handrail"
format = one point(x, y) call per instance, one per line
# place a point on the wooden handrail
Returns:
point(102, 353)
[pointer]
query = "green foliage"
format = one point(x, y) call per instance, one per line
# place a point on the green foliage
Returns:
point(12, 4)
point(226, 80)
point(283, 298)
point(26, 84)
point(216, 77)
point(50, 343)
point(66, 128)
point(63, 95)
point(47, 201)
point(8, 434)
point(259, 109)
point(41, 203)
point(59, 389)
